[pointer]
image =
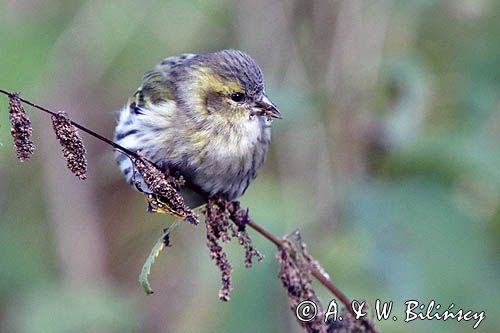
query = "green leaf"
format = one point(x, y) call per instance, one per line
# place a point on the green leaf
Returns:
point(155, 251)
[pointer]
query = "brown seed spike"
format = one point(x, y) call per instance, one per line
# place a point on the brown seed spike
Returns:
point(218, 228)
point(165, 192)
point(295, 275)
point(240, 218)
point(250, 251)
point(21, 128)
point(218, 216)
point(71, 143)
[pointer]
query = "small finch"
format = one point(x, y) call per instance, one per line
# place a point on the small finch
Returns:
point(203, 116)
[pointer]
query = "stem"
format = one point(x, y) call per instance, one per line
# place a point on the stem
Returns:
point(269, 236)
point(278, 242)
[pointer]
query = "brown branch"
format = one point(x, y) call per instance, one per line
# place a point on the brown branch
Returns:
point(269, 236)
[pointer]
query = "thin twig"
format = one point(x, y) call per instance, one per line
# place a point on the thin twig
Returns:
point(269, 236)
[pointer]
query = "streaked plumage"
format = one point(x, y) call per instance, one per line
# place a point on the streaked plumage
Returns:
point(188, 115)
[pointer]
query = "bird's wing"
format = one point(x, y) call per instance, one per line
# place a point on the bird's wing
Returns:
point(157, 85)
point(156, 94)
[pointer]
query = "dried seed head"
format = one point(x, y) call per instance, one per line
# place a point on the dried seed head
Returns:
point(250, 251)
point(71, 143)
point(240, 218)
point(218, 228)
point(302, 247)
point(218, 214)
point(21, 128)
point(295, 274)
point(166, 197)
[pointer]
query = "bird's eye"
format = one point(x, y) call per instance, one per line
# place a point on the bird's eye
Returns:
point(237, 97)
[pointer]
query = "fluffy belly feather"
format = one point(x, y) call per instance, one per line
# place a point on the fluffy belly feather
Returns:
point(227, 164)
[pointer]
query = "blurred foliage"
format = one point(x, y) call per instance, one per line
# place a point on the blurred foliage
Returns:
point(52, 309)
point(391, 168)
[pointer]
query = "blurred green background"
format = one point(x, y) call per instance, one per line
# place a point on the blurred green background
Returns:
point(387, 159)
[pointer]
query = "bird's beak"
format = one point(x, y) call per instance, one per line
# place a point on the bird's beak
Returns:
point(268, 108)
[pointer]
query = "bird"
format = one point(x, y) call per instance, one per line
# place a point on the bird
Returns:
point(205, 117)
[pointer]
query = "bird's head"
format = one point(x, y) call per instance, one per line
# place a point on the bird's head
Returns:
point(229, 85)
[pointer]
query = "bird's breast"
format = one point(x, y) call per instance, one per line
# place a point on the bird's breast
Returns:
point(228, 158)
